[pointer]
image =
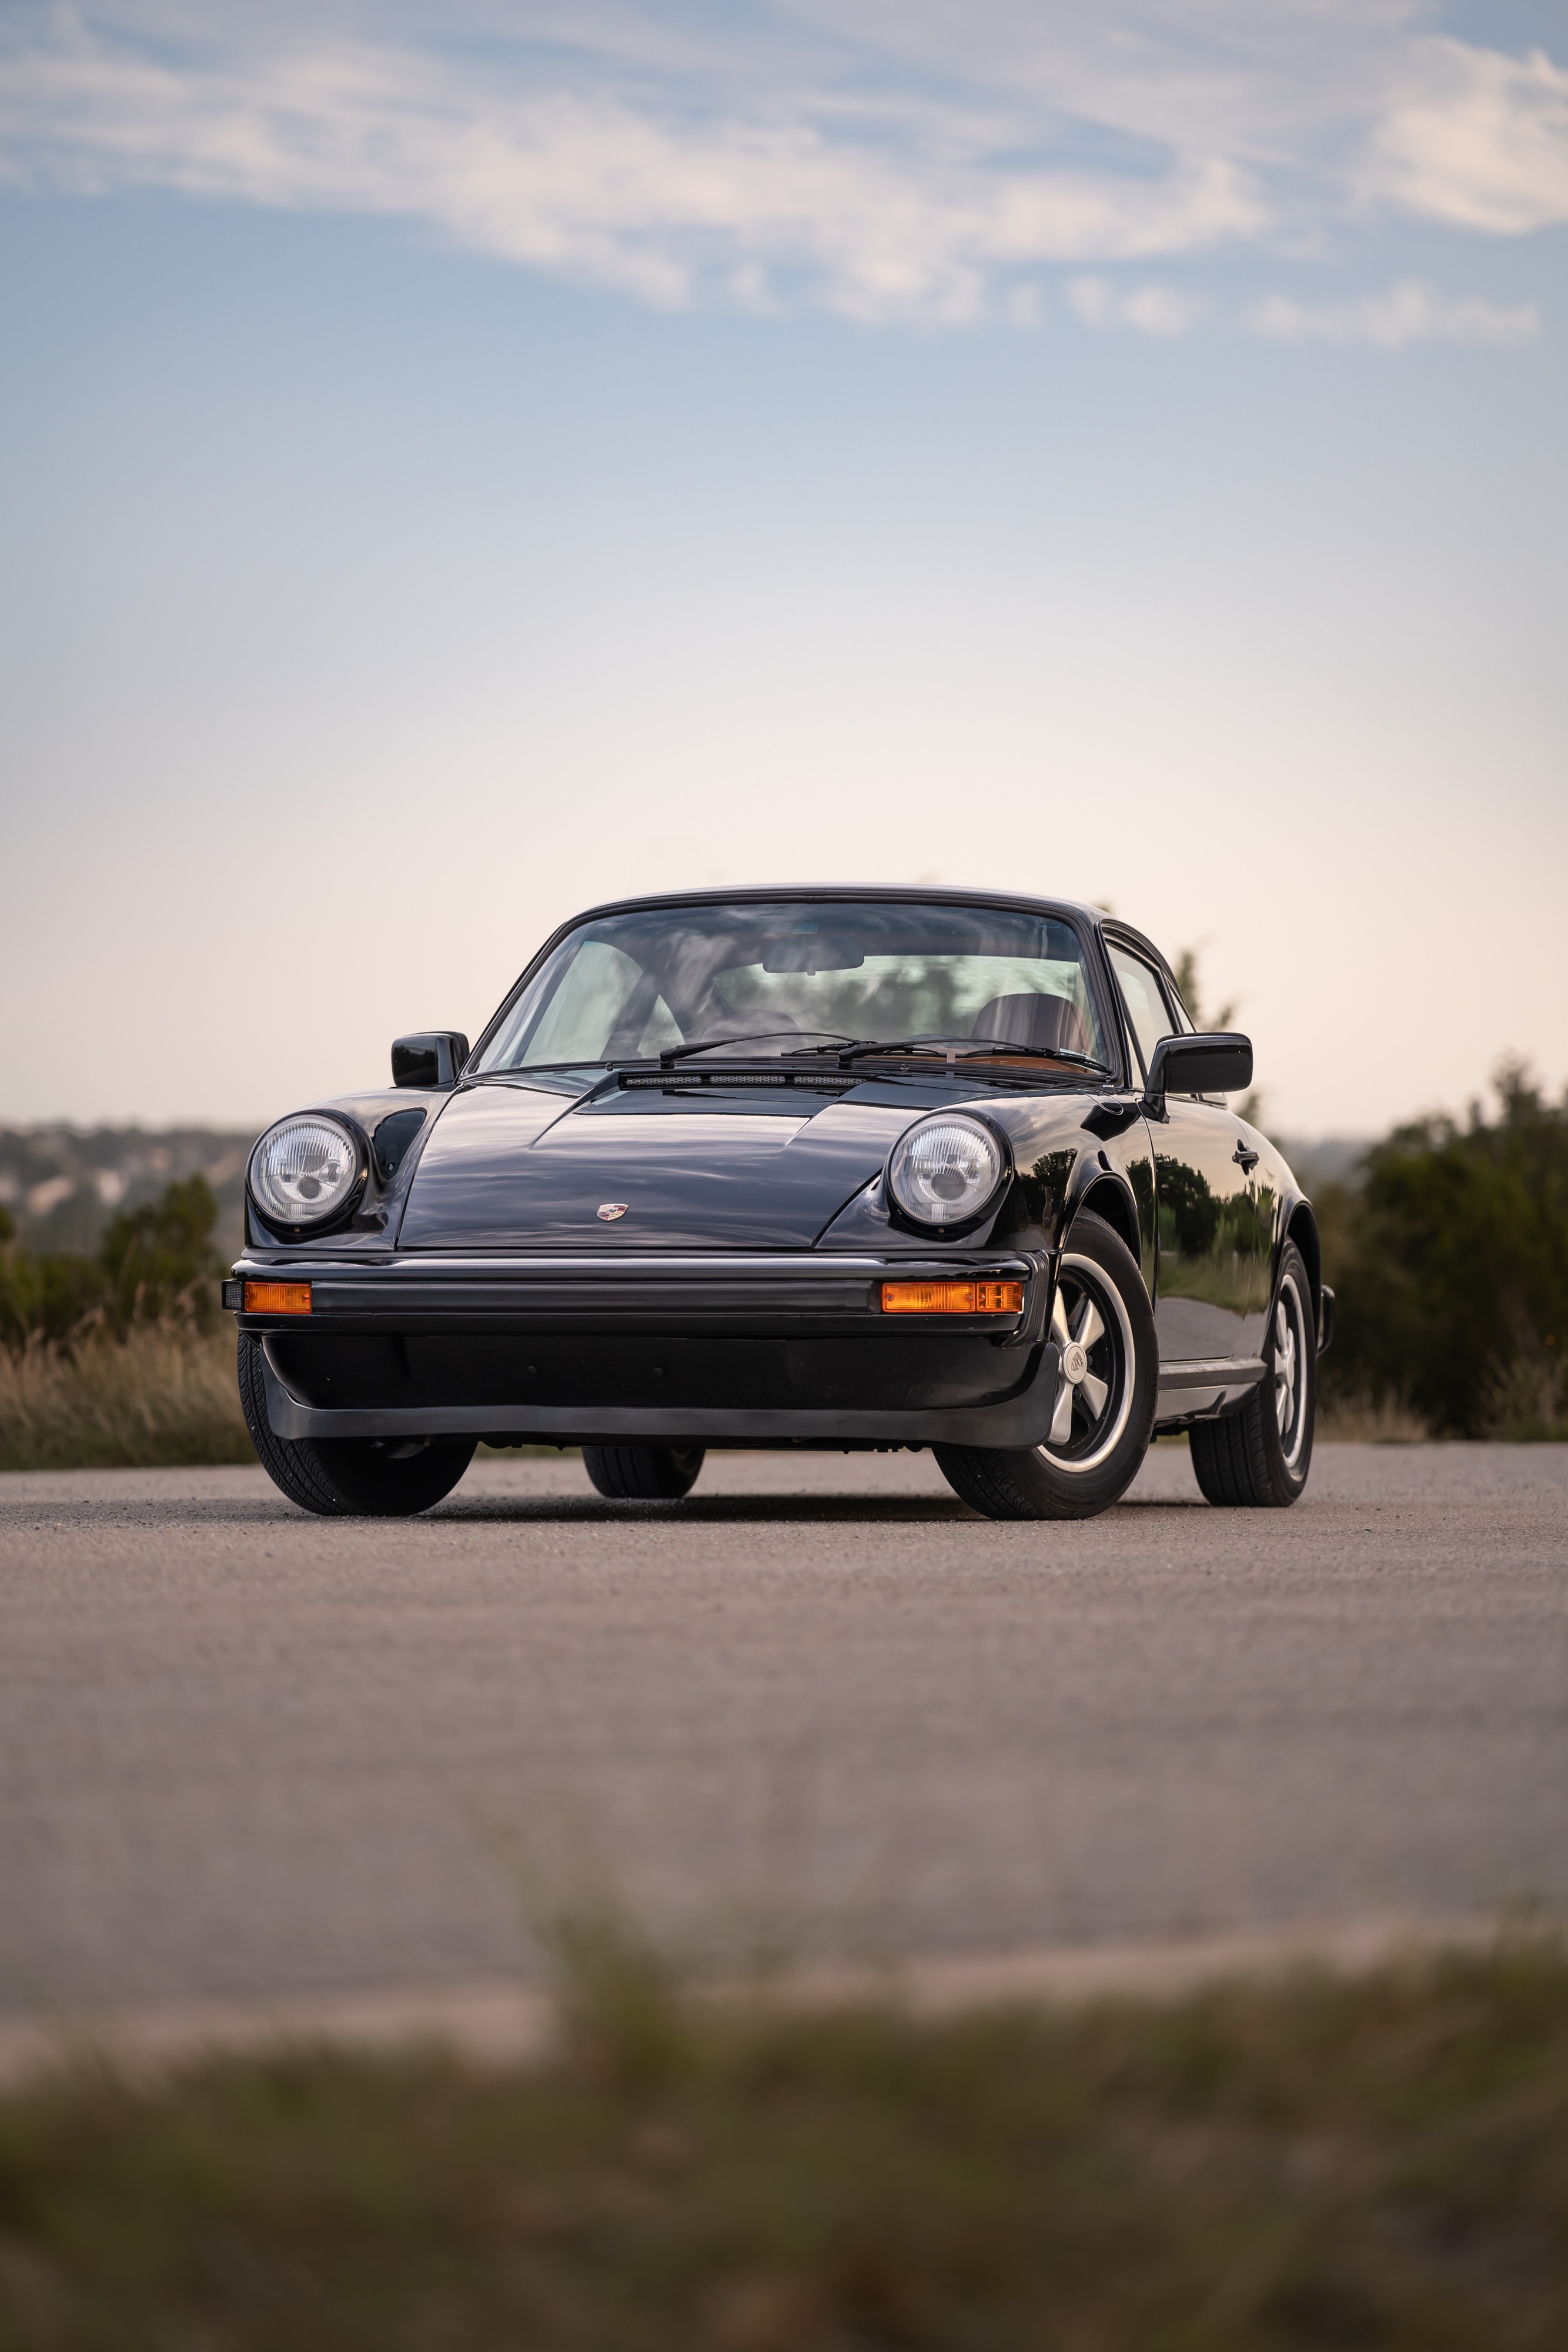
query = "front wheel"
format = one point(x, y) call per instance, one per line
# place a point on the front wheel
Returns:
point(643, 1474)
point(1260, 1457)
point(1103, 1409)
point(348, 1477)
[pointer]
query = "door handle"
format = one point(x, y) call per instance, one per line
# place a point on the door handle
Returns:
point(1245, 1157)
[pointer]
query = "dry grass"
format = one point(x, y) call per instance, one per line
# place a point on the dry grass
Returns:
point(1297, 2166)
point(1525, 1403)
point(1359, 1420)
point(1528, 1400)
point(163, 1395)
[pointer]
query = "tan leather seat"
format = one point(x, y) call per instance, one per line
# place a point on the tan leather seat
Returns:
point(1049, 1022)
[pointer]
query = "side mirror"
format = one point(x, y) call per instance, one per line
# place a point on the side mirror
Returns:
point(1219, 1064)
point(431, 1058)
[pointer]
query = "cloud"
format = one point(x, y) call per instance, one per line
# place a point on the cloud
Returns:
point(890, 159)
point(1412, 312)
point(587, 183)
point(1477, 141)
point(1150, 309)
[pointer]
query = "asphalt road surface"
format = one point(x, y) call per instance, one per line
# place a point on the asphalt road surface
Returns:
point(247, 1753)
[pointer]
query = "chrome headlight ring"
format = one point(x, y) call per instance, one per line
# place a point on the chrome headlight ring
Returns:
point(947, 1171)
point(307, 1172)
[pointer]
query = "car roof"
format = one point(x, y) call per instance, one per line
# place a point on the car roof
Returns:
point(921, 894)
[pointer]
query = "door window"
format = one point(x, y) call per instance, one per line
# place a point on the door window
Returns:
point(1145, 999)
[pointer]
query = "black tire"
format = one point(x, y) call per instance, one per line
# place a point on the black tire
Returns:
point(348, 1477)
point(1096, 1449)
point(643, 1474)
point(1258, 1458)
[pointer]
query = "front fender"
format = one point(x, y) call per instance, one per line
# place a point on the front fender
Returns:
point(1082, 1151)
point(394, 1154)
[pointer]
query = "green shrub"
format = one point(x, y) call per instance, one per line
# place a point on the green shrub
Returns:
point(159, 1262)
point(1452, 1267)
point(156, 1265)
point(117, 1359)
point(48, 1296)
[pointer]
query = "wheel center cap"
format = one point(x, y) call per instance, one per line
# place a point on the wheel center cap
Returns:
point(1075, 1362)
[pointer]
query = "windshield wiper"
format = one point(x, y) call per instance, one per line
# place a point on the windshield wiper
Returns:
point(847, 1049)
point(976, 1045)
point(674, 1054)
point(521, 1069)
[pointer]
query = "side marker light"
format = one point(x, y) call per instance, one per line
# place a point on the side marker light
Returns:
point(278, 1298)
point(952, 1297)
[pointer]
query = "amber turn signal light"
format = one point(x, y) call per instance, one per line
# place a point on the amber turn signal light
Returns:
point(952, 1297)
point(278, 1298)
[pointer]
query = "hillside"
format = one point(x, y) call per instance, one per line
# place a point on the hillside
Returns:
point(62, 1184)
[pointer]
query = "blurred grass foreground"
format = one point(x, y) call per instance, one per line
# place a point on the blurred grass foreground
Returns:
point(1448, 1246)
point(1274, 2166)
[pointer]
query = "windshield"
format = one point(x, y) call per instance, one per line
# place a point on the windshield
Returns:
point(792, 976)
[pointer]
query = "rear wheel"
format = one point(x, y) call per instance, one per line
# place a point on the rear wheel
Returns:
point(1104, 1408)
point(1259, 1457)
point(643, 1474)
point(348, 1477)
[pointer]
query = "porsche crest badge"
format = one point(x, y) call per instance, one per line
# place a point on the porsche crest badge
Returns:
point(610, 1209)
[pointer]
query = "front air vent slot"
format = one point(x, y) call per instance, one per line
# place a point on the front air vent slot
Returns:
point(695, 1081)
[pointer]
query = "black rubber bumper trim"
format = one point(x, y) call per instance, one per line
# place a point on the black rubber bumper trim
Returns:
point(654, 1294)
point(1020, 1420)
point(667, 1323)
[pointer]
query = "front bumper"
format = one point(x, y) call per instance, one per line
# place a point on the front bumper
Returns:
point(737, 1350)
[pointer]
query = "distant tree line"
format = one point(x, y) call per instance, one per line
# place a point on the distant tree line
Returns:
point(156, 1264)
point(1450, 1263)
point(1449, 1257)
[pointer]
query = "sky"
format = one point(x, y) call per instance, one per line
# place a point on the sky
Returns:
point(459, 464)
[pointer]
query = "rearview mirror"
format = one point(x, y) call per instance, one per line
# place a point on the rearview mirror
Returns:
point(431, 1058)
point(829, 952)
point(1219, 1064)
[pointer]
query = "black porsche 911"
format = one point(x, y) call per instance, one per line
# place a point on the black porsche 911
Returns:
point(837, 1169)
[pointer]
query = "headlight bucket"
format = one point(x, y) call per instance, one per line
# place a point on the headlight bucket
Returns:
point(307, 1172)
point(947, 1171)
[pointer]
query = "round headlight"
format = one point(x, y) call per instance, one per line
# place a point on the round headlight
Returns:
point(304, 1170)
point(945, 1170)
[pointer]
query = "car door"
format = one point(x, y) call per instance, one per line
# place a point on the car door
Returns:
point(1215, 1214)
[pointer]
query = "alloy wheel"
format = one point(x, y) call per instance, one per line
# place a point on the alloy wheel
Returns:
point(1088, 1323)
point(1289, 1368)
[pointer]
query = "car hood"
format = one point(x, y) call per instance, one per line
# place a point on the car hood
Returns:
point(511, 1166)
